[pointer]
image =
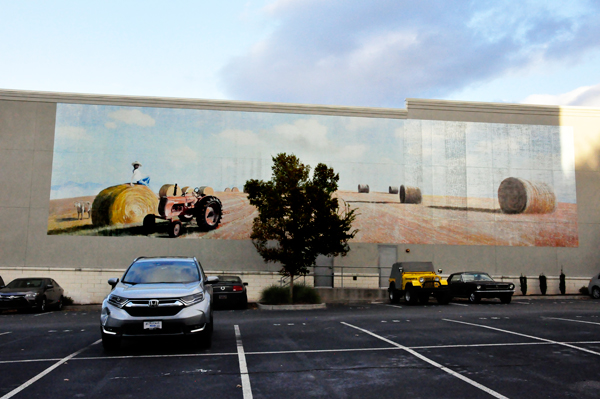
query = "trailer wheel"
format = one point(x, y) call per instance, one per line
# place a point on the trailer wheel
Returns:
point(208, 214)
point(149, 223)
point(175, 228)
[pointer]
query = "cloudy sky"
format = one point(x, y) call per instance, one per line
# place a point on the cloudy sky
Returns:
point(340, 52)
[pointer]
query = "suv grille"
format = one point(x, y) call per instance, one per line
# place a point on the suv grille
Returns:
point(150, 312)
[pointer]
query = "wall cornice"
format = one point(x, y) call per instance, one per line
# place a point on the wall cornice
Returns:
point(221, 105)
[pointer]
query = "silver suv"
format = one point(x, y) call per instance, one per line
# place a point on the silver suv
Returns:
point(159, 296)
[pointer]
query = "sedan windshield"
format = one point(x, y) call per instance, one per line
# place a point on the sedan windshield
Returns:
point(162, 271)
point(26, 283)
point(476, 277)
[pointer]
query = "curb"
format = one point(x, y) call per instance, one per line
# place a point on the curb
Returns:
point(291, 307)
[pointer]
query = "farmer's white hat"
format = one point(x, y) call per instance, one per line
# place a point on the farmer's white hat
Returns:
point(136, 163)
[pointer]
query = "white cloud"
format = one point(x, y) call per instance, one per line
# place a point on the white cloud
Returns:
point(585, 96)
point(111, 125)
point(380, 52)
point(240, 137)
point(133, 117)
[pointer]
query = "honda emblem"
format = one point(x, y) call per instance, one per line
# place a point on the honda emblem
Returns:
point(153, 303)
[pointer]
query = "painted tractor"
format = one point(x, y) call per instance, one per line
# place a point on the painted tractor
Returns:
point(179, 209)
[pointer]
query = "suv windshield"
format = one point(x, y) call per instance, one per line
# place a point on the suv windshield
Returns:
point(162, 271)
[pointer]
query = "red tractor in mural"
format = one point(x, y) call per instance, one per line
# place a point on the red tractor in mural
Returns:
point(179, 209)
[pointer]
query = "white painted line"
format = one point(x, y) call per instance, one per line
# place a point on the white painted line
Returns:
point(4, 333)
point(435, 364)
point(575, 321)
point(394, 306)
point(246, 388)
point(45, 372)
point(523, 303)
point(457, 304)
point(40, 314)
point(526, 336)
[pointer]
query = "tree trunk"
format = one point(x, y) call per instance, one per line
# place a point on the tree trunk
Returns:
point(291, 288)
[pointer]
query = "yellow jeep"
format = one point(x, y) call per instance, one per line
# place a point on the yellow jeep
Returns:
point(417, 281)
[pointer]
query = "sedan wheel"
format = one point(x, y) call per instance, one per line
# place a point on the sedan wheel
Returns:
point(596, 293)
point(474, 298)
point(43, 305)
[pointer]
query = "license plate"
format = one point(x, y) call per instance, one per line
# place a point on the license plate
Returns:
point(152, 325)
point(222, 296)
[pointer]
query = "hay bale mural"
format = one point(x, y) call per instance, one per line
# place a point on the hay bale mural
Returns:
point(410, 195)
point(123, 204)
point(206, 190)
point(235, 190)
point(363, 188)
point(517, 195)
point(170, 190)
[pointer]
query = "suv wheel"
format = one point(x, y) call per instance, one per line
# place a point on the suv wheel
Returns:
point(393, 294)
point(410, 296)
point(110, 342)
point(596, 293)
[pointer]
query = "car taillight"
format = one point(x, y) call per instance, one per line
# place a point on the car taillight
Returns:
point(238, 288)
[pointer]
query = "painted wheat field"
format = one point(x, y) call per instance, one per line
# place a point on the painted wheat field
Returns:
point(381, 219)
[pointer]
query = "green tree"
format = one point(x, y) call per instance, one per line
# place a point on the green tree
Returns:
point(299, 218)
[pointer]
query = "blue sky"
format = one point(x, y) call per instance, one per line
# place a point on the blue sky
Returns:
point(351, 52)
point(95, 146)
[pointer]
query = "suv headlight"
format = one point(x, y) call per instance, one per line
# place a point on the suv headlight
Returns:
point(193, 299)
point(421, 280)
point(117, 301)
point(437, 279)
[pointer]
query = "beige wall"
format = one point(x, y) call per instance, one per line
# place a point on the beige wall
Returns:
point(26, 148)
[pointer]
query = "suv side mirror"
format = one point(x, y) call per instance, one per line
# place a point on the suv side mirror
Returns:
point(113, 282)
point(439, 270)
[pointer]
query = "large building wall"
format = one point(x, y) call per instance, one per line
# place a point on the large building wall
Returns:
point(82, 263)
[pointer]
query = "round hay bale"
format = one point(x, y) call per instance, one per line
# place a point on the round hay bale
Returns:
point(410, 195)
point(123, 204)
point(393, 189)
point(363, 188)
point(168, 190)
point(205, 190)
point(235, 190)
point(186, 190)
point(227, 189)
point(517, 195)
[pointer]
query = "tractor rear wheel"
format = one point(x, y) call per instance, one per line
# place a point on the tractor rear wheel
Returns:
point(149, 223)
point(208, 214)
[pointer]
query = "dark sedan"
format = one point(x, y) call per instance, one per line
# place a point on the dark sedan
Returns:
point(477, 285)
point(230, 291)
point(31, 293)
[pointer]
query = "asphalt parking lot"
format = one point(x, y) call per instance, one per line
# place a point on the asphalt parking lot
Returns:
point(546, 348)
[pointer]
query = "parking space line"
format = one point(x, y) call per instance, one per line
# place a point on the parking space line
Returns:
point(575, 321)
point(4, 333)
point(458, 304)
point(394, 306)
point(46, 372)
point(525, 335)
point(433, 363)
point(246, 388)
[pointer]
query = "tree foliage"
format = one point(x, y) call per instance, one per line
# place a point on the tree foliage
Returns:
point(299, 218)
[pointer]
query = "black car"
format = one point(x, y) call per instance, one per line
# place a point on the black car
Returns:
point(32, 293)
point(230, 291)
point(477, 285)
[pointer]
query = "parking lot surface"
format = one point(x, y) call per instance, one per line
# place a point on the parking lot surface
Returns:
point(546, 348)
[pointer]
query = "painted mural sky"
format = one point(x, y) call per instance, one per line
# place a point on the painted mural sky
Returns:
point(95, 146)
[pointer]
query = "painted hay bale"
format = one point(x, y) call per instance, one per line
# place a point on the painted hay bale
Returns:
point(123, 204)
point(168, 190)
point(393, 189)
point(205, 190)
point(186, 190)
point(363, 188)
point(517, 195)
point(235, 190)
point(410, 195)
point(227, 190)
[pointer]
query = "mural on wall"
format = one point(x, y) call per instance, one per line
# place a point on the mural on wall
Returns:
point(166, 172)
